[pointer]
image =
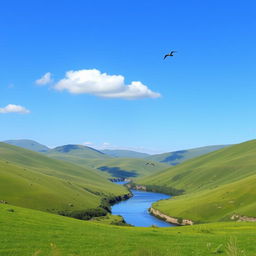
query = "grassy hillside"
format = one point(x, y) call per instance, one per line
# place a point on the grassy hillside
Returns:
point(177, 157)
point(30, 232)
point(124, 153)
point(28, 144)
point(129, 167)
point(219, 204)
point(32, 180)
point(110, 166)
point(216, 185)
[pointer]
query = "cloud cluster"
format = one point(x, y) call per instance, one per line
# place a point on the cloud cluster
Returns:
point(11, 108)
point(45, 79)
point(92, 81)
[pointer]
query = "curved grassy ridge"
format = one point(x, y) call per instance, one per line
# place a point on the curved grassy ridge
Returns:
point(30, 232)
point(32, 180)
point(209, 171)
point(216, 185)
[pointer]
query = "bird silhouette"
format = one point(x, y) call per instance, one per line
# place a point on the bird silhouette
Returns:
point(169, 54)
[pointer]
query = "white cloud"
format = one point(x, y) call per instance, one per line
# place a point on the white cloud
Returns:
point(45, 79)
point(87, 143)
point(92, 81)
point(11, 108)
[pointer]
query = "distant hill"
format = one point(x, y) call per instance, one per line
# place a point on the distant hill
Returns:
point(216, 186)
point(124, 153)
point(177, 157)
point(72, 150)
point(28, 144)
point(112, 167)
point(32, 180)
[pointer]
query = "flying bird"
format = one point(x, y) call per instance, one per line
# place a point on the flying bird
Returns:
point(169, 54)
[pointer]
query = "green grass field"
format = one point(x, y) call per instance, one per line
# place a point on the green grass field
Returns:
point(217, 185)
point(32, 180)
point(26, 232)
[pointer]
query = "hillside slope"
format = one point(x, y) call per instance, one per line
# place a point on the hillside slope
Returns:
point(112, 167)
point(28, 144)
point(178, 157)
point(32, 180)
point(129, 167)
point(219, 167)
point(216, 185)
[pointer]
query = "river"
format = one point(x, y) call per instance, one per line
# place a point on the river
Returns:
point(135, 210)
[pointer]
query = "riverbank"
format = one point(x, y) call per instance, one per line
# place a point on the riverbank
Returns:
point(135, 210)
point(172, 220)
point(103, 210)
point(157, 189)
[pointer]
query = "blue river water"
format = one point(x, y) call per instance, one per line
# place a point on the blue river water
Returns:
point(135, 210)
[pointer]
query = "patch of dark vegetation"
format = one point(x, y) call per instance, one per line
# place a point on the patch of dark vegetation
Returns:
point(174, 156)
point(159, 189)
point(103, 209)
point(117, 179)
point(10, 210)
point(84, 214)
point(106, 202)
point(66, 148)
point(180, 220)
point(150, 164)
point(117, 172)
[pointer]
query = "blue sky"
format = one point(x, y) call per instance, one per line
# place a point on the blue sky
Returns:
point(207, 89)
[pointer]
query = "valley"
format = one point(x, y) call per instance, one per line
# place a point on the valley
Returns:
point(214, 192)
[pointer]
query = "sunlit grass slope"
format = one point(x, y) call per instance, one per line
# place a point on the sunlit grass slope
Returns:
point(217, 185)
point(30, 232)
point(32, 180)
point(219, 204)
point(209, 171)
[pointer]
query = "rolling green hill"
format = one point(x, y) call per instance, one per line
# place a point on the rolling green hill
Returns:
point(124, 153)
point(32, 180)
point(28, 144)
point(177, 157)
point(217, 185)
point(113, 167)
point(34, 233)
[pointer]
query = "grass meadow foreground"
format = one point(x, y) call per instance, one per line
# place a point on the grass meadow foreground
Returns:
point(26, 232)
